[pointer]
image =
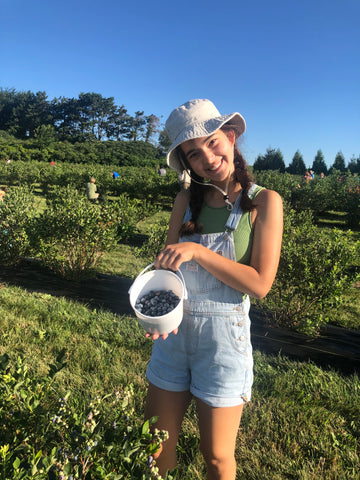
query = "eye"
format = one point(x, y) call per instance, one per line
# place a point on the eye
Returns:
point(192, 155)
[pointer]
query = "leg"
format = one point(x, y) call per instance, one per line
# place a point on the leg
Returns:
point(170, 407)
point(218, 431)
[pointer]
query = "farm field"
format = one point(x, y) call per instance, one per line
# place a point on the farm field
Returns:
point(302, 421)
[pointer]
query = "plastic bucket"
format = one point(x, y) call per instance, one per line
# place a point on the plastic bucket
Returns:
point(158, 280)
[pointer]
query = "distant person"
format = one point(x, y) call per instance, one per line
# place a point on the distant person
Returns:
point(322, 175)
point(308, 176)
point(2, 193)
point(8, 161)
point(91, 190)
point(162, 172)
point(52, 163)
point(115, 175)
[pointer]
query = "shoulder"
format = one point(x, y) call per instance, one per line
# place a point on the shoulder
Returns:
point(268, 205)
point(267, 197)
point(182, 200)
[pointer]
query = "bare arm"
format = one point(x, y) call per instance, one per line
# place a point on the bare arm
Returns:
point(177, 215)
point(255, 279)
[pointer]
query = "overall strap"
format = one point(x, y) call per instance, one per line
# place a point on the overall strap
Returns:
point(236, 212)
point(187, 215)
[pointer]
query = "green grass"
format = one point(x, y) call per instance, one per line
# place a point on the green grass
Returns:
point(302, 422)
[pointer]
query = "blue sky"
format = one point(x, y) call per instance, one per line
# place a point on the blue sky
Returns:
point(290, 67)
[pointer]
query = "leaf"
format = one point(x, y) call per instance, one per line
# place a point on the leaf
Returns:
point(145, 427)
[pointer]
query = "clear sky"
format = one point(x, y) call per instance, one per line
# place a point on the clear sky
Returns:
point(290, 67)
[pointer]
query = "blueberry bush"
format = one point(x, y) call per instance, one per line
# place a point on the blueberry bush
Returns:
point(16, 213)
point(315, 269)
point(46, 436)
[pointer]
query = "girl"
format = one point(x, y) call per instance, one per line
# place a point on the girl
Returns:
point(225, 236)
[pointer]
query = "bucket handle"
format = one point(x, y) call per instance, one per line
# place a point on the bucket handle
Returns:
point(151, 265)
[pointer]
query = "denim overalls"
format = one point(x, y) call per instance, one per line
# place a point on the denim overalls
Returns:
point(212, 354)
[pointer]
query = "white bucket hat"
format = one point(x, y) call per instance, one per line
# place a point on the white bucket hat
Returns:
point(195, 119)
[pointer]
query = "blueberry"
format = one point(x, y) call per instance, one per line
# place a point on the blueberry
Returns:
point(155, 304)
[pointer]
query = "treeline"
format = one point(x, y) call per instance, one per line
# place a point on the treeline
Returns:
point(274, 160)
point(116, 153)
point(93, 119)
point(88, 117)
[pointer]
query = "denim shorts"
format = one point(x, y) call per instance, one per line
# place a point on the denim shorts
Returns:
point(211, 356)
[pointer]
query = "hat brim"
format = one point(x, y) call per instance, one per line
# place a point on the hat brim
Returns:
point(203, 129)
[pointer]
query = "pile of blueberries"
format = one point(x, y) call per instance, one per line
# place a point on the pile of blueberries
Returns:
point(157, 303)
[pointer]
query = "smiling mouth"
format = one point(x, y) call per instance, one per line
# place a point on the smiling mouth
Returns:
point(215, 167)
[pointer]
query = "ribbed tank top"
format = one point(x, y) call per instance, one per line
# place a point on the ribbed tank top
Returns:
point(214, 219)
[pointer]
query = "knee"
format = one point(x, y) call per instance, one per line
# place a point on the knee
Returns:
point(219, 461)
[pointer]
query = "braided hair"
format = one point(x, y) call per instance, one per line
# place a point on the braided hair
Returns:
point(197, 192)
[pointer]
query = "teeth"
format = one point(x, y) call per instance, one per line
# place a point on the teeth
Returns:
point(216, 167)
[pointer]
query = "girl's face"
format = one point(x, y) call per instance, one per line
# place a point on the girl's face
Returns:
point(211, 157)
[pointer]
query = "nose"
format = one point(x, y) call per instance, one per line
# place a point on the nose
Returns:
point(208, 154)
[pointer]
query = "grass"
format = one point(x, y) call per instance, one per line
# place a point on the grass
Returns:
point(302, 422)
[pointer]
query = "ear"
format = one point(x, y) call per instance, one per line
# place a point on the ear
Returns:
point(231, 136)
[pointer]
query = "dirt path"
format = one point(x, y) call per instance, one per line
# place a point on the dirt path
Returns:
point(335, 347)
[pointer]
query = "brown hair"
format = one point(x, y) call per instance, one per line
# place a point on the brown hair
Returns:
point(197, 192)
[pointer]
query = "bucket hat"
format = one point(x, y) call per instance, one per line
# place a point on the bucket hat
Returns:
point(195, 119)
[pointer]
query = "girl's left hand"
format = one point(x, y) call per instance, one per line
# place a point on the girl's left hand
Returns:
point(174, 255)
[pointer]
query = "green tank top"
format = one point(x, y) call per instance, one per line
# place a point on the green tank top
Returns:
point(214, 219)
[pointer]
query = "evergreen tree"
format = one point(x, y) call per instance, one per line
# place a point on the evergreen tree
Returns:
point(297, 165)
point(319, 164)
point(354, 165)
point(272, 160)
point(339, 163)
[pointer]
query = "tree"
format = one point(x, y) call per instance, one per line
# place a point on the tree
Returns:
point(151, 127)
point(297, 165)
point(272, 160)
point(164, 141)
point(319, 164)
point(95, 112)
point(118, 125)
point(22, 112)
point(136, 126)
point(354, 165)
point(44, 135)
point(339, 163)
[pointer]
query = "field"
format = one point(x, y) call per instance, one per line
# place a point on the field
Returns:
point(302, 422)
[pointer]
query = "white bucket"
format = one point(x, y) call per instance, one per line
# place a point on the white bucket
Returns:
point(158, 280)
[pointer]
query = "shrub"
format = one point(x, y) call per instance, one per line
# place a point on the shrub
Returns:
point(16, 212)
point(129, 212)
point(155, 242)
point(315, 268)
point(72, 233)
point(43, 436)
